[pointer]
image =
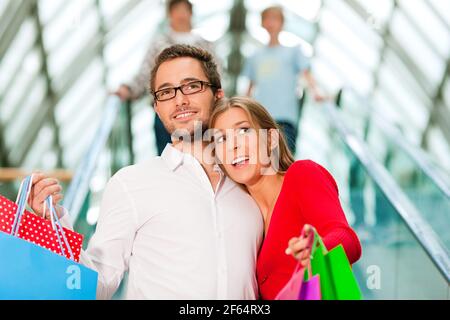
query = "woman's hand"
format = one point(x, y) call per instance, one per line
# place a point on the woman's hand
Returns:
point(41, 189)
point(300, 248)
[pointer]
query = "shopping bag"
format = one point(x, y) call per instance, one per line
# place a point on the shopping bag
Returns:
point(302, 285)
point(28, 269)
point(311, 289)
point(30, 272)
point(15, 220)
point(337, 281)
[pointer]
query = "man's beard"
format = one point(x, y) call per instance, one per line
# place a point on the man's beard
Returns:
point(190, 135)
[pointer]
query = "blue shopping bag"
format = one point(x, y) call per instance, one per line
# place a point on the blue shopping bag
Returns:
point(30, 272)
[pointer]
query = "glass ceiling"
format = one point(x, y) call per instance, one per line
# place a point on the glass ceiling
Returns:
point(59, 59)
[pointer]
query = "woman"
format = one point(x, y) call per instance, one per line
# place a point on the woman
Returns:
point(291, 195)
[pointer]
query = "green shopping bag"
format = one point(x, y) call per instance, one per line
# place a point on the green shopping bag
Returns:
point(337, 281)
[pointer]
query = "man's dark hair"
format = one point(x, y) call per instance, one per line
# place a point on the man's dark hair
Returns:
point(206, 59)
point(173, 3)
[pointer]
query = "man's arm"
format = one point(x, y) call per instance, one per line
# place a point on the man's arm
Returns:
point(138, 87)
point(250, 89)
point(312, 86)
point(109, 249)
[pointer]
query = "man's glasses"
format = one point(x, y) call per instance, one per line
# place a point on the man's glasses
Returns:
point(189, 88)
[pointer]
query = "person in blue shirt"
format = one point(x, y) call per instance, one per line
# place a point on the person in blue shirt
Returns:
point(274, 71)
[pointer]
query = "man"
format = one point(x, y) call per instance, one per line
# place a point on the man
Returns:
point(179, 227)
point(179, 13)
point(273, 72)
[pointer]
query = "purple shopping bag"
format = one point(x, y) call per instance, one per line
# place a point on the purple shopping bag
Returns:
point(311, 289)
point(300, 287)
point(297, 288)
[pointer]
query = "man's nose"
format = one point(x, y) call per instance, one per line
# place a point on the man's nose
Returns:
point(181, 99)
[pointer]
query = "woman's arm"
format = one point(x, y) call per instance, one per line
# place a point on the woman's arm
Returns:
point(317, 198)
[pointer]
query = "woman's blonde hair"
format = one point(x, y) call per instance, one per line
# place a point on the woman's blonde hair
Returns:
point(260, 119)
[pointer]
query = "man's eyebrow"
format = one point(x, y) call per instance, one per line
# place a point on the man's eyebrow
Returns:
point(189, 80)
point(169, 85)
point(164, 85)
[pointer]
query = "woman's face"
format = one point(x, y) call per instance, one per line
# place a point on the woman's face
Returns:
point(237, 146)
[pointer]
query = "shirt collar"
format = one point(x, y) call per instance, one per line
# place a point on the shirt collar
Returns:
point(173, 157)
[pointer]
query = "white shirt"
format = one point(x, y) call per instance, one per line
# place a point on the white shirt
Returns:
point(162, 221)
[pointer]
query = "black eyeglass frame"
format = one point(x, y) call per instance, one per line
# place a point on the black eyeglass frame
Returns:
point(181, 88)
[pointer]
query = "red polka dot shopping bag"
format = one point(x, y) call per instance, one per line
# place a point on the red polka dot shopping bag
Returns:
point(39, 258)
point(30, 227)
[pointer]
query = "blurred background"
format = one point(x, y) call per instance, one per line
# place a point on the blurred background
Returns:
point(384, 134)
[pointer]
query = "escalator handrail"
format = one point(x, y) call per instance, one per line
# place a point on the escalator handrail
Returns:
point(420, 228)
point(79, 187)
point(421, 158)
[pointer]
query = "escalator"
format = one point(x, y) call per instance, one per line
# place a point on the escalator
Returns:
point(404, 251)
point(425, 183)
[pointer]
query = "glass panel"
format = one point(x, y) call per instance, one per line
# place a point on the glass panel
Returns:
point(62, 56)
point(379, 10)
point(393, 264)
point(413, 85)
point(420, 188)
point(415, 114)
point(17, 129)
point(307, 9)
point(363, 29)
point(359, 79)
point(326, 75)
point(25, 80)
point(40, 155)
point(413, 44)
point(439, 148)
point(442, 8)
point(446, 93)
point(12, 65)
point(433, 29)
point(360, 50)
point(3, 5)
point(49, 9)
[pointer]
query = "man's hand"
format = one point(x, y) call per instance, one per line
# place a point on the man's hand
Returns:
point(41, 189)
point(123, 93)
point(300, 248)
point(319, 97)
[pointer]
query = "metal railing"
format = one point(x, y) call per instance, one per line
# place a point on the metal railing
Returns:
point(79, 188)
point(423, 161)
point(420, 228)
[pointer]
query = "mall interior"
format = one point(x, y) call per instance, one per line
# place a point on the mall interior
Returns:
point(384, 132)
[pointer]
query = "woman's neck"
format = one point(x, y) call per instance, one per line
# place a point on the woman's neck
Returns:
point(265, 192)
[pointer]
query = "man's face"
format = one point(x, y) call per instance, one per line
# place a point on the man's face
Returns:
point(272, 22)
point(180, 16)
point(181, 112)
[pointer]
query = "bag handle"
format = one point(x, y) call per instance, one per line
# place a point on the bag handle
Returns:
point(22, 198)
point(319, 243)
point(313, 238)
point(56, 225)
